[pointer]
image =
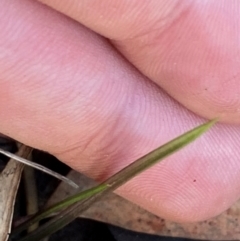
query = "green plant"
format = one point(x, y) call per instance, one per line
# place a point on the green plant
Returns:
point(82, 201)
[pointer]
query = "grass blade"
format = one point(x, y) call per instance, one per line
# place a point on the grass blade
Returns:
point(37, 166)
point(73, 211)
point(59, 206)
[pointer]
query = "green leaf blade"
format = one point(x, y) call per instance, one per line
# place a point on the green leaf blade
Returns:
point(59, 206)
point(143, 163)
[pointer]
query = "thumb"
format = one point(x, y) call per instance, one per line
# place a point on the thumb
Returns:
point(190, 48)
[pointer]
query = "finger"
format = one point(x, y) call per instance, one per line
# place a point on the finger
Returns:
point(66, 91)
point(190, 48)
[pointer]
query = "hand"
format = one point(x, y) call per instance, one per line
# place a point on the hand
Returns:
point(99, 104)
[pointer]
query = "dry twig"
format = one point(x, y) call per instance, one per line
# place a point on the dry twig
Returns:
point(9, 180)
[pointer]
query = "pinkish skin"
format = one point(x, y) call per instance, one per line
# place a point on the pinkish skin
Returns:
point(66, 90)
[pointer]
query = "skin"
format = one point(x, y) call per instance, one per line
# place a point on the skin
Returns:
point(98, 104)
